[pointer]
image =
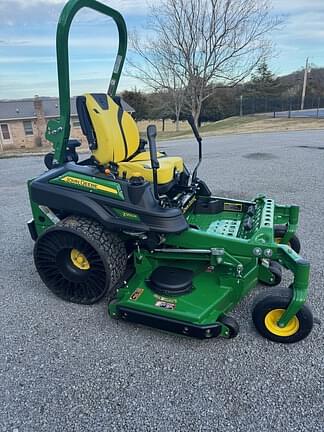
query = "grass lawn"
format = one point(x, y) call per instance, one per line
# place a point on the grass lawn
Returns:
point(253, 124)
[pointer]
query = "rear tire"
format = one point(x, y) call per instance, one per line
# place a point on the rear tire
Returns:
point(79, 260)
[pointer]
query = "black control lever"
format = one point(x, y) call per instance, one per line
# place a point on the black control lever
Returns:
point(191, 121)
point(151, 135)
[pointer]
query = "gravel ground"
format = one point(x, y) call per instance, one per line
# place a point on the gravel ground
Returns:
point(66, 367)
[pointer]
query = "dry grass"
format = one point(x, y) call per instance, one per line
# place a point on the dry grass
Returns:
point(253, 124)
point(169, 125)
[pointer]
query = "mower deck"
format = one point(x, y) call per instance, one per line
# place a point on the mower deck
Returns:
point(221, 276)
point(213, 294)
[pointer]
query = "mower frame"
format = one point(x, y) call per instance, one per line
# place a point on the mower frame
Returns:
point(236, 238)
point(58, 131)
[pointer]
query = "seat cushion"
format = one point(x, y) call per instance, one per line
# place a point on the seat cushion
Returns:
point(145, 156)
point(136, 168)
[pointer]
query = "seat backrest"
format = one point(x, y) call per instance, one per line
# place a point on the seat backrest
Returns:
point(112, 133)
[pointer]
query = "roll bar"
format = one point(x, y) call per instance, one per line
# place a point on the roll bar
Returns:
point(58, 131)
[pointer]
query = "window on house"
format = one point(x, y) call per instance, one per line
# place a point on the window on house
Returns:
point(28, 127)
point(5, 132)
point(76, 123)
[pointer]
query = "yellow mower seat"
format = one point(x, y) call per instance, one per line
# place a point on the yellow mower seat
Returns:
point(169, 166)
point(114, 137)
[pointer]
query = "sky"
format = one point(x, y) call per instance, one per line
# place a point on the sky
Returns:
point(27, 44)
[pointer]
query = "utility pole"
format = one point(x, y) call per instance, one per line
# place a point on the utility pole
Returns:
point(241, 106)
point(1, 144)
point(304, 85)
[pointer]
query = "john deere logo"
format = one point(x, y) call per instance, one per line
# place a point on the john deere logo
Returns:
point(96, 185)
point(88, 184)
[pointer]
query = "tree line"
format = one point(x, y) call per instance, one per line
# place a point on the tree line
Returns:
point(264, 92)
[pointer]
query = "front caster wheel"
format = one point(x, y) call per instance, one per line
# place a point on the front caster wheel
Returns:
point(294, 242)
point(270, 307)
point(79, 261)
point(231, 324)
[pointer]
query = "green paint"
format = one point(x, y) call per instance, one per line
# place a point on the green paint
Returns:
point(287, 215)
point(90, 184)
point(224, 223)
point(215, 291)
point(226, 273)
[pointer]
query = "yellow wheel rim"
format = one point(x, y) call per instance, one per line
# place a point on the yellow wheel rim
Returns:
point(79, 260)
point(271, 320)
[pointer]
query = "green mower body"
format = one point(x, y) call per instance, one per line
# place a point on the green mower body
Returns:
point(170, 256)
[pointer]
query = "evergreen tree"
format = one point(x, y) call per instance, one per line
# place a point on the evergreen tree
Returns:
point(263, 82)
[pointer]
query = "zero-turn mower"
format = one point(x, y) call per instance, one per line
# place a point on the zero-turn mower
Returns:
point(136, 226)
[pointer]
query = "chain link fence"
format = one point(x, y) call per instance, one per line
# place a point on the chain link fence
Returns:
point(282, 106)
point(279, 106)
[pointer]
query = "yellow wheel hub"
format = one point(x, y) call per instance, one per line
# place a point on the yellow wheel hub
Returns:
point(79, 260)
point(271, 320)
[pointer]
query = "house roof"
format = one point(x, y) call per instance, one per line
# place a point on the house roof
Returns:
point(24, 108)
point(17, 109)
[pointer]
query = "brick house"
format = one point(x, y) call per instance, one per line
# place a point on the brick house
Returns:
point(23, 122)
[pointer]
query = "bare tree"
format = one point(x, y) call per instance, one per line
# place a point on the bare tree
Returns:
point(193, 44)
point(157, 72)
